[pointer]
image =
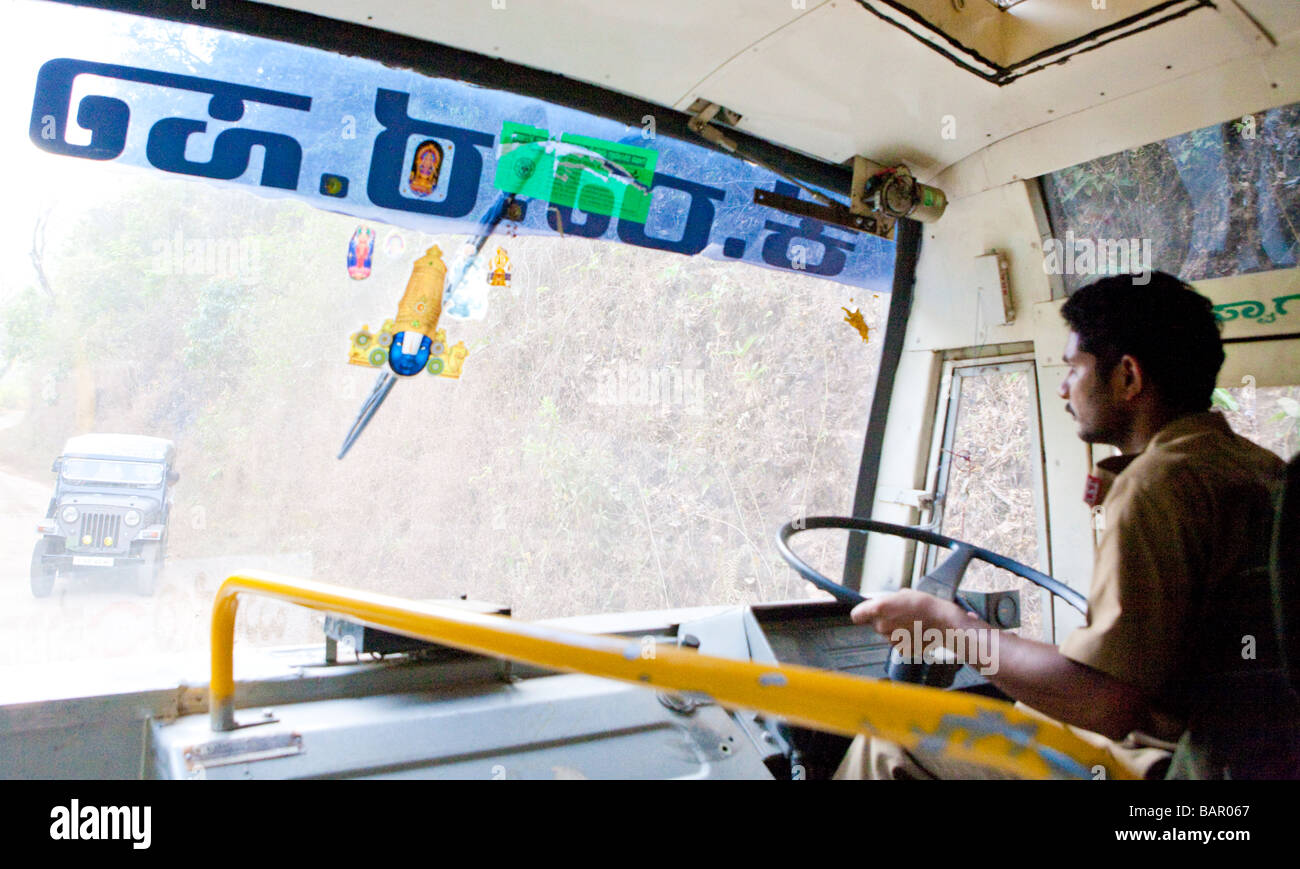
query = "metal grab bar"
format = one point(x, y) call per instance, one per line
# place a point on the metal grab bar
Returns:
point(963, 727)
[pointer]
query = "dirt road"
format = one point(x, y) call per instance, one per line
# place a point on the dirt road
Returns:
point(100, 616)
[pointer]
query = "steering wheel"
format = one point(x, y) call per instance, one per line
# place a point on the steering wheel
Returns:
point(941, 582)
point(944, 582)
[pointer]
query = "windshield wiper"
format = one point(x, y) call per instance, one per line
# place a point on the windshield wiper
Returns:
point(378, 393)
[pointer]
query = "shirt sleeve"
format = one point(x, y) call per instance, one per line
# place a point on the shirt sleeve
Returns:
point(1140, 601)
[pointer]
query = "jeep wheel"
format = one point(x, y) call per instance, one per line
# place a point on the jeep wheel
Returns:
point(146, 573)
point(42, 574)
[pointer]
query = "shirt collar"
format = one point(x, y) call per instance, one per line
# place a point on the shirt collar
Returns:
point(1205, 422)
point(1106, 470)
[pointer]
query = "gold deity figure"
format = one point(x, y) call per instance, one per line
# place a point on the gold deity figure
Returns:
point(426, 167)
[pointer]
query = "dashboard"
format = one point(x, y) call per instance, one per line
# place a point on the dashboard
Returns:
point(418, 710)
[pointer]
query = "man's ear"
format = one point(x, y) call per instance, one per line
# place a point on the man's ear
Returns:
point(1128, 377)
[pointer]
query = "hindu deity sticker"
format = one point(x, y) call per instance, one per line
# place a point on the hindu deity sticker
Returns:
point(426, 167)
point(361, 250)
point(499, 274)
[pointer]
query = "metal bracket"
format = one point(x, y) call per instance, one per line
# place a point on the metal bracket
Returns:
point(242, 750)
point(875, 224)
point(721, 114)
point(226, 715)
point(921, 499)
point(705, 111)
point(864, 171)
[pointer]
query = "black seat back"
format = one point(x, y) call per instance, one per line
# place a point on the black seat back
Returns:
point(1285, 563)
point(1245, 723)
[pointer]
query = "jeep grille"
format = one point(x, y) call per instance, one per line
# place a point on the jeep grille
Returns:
point(99, 526)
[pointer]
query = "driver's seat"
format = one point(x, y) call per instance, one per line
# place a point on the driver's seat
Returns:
point(1246, 724)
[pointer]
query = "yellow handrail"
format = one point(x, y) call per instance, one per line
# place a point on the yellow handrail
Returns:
point(961, 726)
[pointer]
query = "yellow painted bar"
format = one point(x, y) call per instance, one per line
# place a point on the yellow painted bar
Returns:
point(963, 727)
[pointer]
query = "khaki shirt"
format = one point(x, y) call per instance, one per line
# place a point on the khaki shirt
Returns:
point(1184, 521)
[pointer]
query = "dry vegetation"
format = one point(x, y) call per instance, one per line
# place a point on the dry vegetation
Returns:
point(515, 484)
point(521, 483)
point(990, 496)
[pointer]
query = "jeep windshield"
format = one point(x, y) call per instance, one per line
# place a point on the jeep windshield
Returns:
point(648, 392)
point(144, 474)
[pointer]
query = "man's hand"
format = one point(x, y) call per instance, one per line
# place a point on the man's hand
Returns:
point(901, 610)
point(1029, 671)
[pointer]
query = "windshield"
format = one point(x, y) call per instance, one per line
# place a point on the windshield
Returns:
point(630, 424)
point(101, 471)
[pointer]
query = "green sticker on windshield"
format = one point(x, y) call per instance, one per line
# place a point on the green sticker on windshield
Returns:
point(592, 175)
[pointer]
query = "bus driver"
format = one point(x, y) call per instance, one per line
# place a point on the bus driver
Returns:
point(1187, 514)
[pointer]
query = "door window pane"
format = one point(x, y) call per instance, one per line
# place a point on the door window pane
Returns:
point(1267, 415)
point(988, 483)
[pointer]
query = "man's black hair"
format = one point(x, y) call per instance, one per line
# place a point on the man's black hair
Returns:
point(1165, 324)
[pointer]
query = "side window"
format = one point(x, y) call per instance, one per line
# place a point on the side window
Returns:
point(1267, 415)
point(1217, 201)
point(987, 477)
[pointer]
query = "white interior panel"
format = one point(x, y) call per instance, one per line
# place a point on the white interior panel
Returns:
point(655, 51)
point(833, 80)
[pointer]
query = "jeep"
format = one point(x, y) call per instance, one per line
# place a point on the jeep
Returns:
point(109, 511)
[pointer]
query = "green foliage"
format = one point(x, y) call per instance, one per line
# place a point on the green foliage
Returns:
point(740, 350)
point(1095, 178)
point(1216, 201)
point(25, 322)
point(215, 331)
point(1223, 398)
